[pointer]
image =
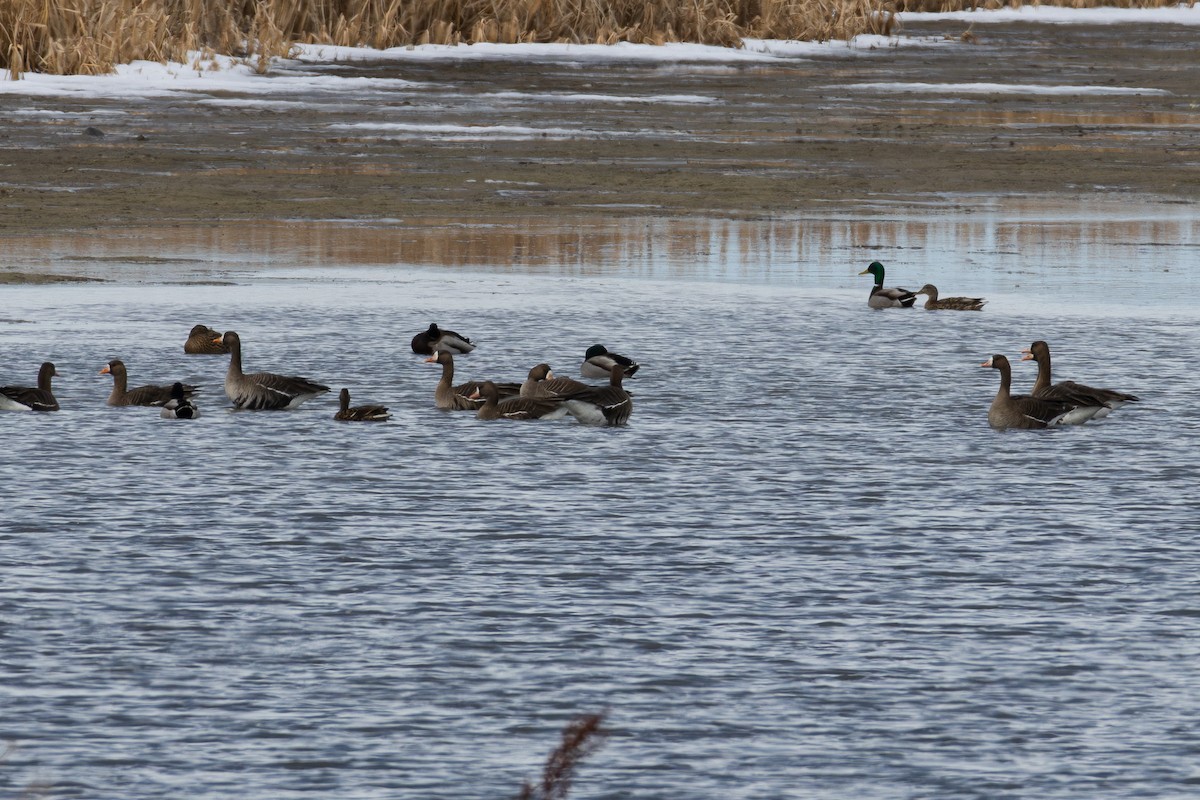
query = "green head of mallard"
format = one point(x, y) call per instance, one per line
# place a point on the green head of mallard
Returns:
point(875, 269)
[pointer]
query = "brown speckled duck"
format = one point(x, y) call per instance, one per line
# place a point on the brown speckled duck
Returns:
point(514, 407)
point(1070, 391)
point(346, 413)
point(148, 395)
point(203, 341)
point(31, 398)
point(949, 303)
point(263, 390)
point(1024, 411)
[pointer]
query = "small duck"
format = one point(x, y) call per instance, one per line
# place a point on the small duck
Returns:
point(440, 340)
point(263, 390)
point(514, 407)
point(886, 298)
point(1108, 400)
point(203, 341)
point(39, 398)
point(359, 413)
point(149, 395)
point(541, 383)
point(179, 406)
point(602, 405)
point(598, 363)
point(949, 303)
point(1025, 411)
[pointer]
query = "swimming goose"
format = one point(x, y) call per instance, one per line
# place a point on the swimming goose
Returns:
point(359, 413)
point(542, 383)
point(886, 298)
point(148, 395)
point(598, 363)
point(179, 406)
point(263, 390)
point(202, 341)
point(458, 398)
point(602, 405)
point(39, 398)
point(1023, 411)
point(1070, 391)
point(440, 340)
point(514, 407)
point(949, 303)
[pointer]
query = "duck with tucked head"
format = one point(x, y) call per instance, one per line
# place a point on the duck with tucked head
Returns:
point(202, 342)
point(949, 303)
point(598, 363)
point(439, 340)
point(886, 298)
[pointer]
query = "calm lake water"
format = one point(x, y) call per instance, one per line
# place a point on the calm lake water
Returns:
point(807, 568)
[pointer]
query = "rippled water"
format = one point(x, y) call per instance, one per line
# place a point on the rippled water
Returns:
point(806, 569)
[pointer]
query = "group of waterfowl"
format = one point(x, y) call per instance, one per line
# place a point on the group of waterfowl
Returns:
point(541, 396)
point(1064, 403)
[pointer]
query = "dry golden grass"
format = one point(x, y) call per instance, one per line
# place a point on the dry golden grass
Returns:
point(92, 36)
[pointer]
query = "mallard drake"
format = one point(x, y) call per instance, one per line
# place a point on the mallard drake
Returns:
point(949, 303)
point(39, 398)
point(514, 407)
point(203, 341)
point(179, 406)
point(886, 298)
point(263, 390)
point(440, 340)
point(1070, 391)
point(449, 397)
point(602, 405)
point(359, 413)
point(149, 395)
point(541, 383)
point(598, 363)
point(1024, 411)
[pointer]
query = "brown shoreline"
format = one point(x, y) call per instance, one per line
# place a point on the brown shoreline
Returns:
point(782, 140)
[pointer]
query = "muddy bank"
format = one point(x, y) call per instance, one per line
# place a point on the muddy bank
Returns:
point(805, 137)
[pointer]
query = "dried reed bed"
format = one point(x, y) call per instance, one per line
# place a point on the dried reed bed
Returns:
point(972, 5)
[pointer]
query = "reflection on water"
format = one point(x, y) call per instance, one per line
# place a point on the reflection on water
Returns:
point(1142, 252)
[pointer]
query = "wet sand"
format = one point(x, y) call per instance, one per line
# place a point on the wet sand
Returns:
point(784, 140)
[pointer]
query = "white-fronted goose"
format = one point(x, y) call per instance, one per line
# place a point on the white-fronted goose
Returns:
point(514, 407)
point(598, 363)
point(148, 395)
point(541, 383)
point(602, 405)
point(263, 390)
point(440, 340)
point(949, 303)
point(1070, 391)
point(38, 398)
point(1023, 411)
point(359, 413)
point(886, 298)
point(203, 341)
point(449, 397)
point(179, 406)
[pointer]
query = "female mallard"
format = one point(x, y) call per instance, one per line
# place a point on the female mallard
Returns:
point(359, 413)
point(949, 303)
point(149, 395)
point(202, 341)
point(23, 398)
point(440, 340)
point(886, 298)
point(598, 363)
point(1069, 391)
point(514, 407)
point(179, 406)
point(1024, 411)
point(263, 390)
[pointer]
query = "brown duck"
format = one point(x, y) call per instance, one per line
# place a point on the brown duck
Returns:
point(203, 341)
point(1070, 391)
point(949, 303)
point(149, 395)
point(346, 413)
point(1023, 411)
point(33, 398)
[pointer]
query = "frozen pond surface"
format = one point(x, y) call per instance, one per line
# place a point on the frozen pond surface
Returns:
point(806, 569)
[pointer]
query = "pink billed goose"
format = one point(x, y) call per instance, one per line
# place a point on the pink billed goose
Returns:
point(541, 383)
point(148, 395)
point(602, 405)
point(346, 413)
point(1023, 411)
point(1107, 399)
point(449, 397)
point(39, 398)
point(514, 407)
point(263, 390)
point(439, 340)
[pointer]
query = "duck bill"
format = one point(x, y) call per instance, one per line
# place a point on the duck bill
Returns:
point(987, 363)
point(1027, 355)
point(104, 371)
